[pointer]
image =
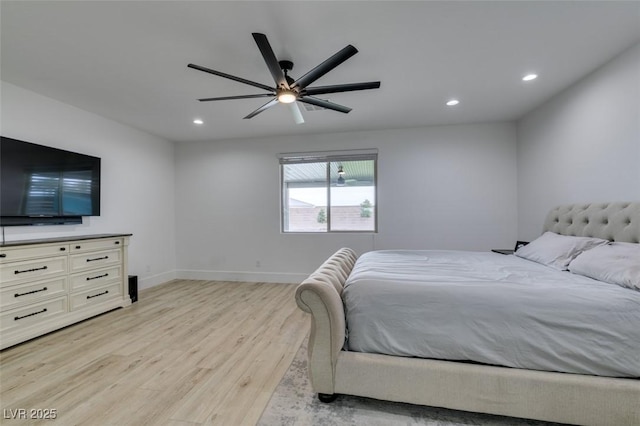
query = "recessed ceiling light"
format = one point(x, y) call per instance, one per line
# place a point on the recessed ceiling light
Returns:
point(529, 77)
point(198, 121)
point(453, 102)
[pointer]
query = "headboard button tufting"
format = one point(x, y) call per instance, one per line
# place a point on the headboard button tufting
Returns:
point(614, 221)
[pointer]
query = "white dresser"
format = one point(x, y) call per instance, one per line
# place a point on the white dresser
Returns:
point(49, 284)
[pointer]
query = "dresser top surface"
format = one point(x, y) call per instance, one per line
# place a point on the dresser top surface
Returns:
point(61, 239)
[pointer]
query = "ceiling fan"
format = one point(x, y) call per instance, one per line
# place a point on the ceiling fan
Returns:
point(287, 90)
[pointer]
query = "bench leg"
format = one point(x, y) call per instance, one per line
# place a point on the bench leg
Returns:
point(327, 397)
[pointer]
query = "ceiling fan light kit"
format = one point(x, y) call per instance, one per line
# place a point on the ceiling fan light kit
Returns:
point(288, 90)
point(287, 96)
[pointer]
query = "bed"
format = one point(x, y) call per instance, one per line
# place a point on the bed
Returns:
point(566, 388)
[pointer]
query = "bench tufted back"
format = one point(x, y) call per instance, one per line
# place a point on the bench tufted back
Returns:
point(619, 221)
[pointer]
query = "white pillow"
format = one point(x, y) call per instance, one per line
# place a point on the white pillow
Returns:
point(616, 263)
point(556, 250)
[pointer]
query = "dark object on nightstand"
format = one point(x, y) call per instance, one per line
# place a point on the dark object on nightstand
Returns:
point(506, 251)
point(503, 251)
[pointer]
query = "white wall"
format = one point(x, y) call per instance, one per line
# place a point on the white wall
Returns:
point(448, 187)
point(137, 187)
point(583, 145)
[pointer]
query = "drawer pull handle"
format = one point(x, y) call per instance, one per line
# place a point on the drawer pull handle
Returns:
point(30, 315)
point(99, 294)
point(96, 277)
point(62, 249)
point(3, 255)
point(98, 258)
point(78, 247)
point(117, 242)
point(30, 292)
point(30, 270)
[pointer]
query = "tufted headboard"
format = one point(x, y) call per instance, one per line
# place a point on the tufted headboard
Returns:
point(618, 221)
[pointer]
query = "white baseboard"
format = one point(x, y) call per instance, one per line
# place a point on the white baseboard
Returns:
point(184, 274)
point(262, 277)
point(155, 280)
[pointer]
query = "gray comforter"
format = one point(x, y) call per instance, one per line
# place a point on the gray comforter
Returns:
point(492, 309)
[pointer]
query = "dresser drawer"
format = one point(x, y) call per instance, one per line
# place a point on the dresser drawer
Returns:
point(11, 297)
point(95, 278)
point(96, 296)
point(93, 245)
point(8, 254)
point(33, 314)
point(29, 270)
point(95, 259)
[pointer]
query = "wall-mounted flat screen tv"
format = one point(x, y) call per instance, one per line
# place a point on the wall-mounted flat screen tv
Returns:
point(41, 185)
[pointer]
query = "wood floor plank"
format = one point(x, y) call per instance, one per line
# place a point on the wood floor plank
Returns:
point(187, 353)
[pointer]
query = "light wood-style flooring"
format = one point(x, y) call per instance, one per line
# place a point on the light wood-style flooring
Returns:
point(187, 353)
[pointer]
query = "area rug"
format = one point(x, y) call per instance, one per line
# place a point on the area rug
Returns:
point(294, 404)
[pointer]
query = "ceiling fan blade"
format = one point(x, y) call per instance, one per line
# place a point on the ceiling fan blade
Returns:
point(325, 67)
point(226, 98)
point(270, 59)
point(268, 105)
point(336, 88)
point(231, 77)
point(324, 104)
point(297, 114)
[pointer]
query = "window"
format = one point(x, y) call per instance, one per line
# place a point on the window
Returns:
point(329, 191)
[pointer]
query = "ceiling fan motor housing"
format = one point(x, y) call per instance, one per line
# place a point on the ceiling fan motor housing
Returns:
point(286, 65)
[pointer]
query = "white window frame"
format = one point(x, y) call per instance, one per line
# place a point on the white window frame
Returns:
point(328, 157)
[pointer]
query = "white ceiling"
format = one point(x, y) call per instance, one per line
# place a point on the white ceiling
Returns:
point(128, 60)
